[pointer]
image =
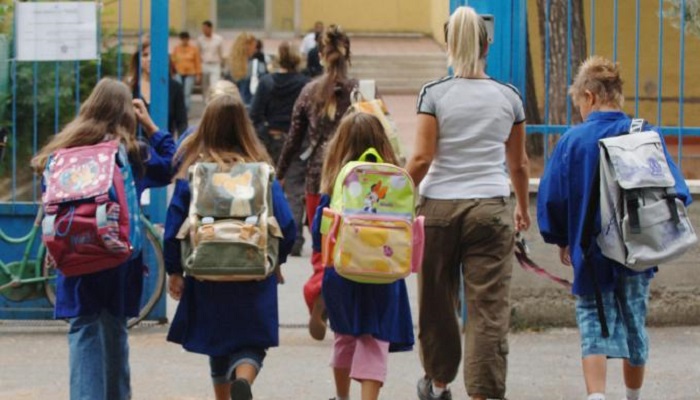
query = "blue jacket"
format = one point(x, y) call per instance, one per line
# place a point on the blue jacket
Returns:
point(565, 188)
point(118, 290)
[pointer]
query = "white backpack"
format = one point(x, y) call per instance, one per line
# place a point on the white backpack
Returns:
point(643, 222)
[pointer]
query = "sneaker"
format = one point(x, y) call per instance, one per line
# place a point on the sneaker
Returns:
point(240, 390)
point(424, 386)
point(317, 322)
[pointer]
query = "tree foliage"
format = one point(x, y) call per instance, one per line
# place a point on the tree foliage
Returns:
point(677, 10)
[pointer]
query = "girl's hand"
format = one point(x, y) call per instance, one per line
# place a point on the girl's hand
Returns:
point(176, 284)
point(565, 256)
point(144, 117)
point(522, 219)
point(278, 274)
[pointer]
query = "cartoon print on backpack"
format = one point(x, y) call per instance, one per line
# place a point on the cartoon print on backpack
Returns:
point(377, 193)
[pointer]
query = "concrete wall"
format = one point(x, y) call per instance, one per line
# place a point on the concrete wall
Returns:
point(538, 303)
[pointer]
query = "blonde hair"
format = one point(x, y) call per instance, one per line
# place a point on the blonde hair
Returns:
point(601, 77)
point(224, 136)
point(224, 88)
point(467, 41)
point(356, 133)
point(238, 59)
point(108, 113)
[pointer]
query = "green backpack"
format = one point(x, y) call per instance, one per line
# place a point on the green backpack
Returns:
point(231, 233)
point(371, 233)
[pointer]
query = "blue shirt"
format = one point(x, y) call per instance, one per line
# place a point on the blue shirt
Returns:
point(565, 188)
point(118, 290)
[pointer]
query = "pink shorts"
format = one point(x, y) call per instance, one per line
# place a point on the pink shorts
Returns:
point(365, 357)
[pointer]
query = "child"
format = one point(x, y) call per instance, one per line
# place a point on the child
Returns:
point(98, 304)
point(568, 178)
point(234, 323)
point(369, 320)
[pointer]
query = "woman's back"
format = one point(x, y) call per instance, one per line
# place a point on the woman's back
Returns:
point(475, 117)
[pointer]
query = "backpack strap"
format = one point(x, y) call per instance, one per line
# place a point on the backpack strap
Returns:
point(587, 234)
point(637, 125)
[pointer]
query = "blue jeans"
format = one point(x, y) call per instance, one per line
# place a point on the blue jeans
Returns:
point(187, 82)
point(99, 358)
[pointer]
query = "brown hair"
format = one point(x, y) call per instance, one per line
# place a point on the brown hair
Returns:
point(238, 59)
point(356, 133)
point(335, 51)
point(135, 66)
point(289, 58)
point(108, 111)
point(601, 77)
point(225, 135)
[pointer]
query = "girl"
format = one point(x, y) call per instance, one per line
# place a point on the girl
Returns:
point(368, 320)
point(140, 82)
point(469, 127)
point(568, 177)
point(234, 323)
point(98, 305)
point(316, 115)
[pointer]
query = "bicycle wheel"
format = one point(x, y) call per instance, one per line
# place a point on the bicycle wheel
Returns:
point(153, 277)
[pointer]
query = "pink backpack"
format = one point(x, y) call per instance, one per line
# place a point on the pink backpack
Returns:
point(86, 213)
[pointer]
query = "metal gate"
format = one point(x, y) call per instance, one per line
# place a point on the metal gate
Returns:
point(38, 98)
point(644, 36)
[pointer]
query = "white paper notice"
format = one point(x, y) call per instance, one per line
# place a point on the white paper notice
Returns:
point(56, 31)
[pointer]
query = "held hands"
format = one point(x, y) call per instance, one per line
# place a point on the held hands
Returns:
point(522, 219)
point(144, 117)
point(176, 283)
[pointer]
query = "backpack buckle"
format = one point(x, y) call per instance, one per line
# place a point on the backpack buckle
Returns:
point(671, 201)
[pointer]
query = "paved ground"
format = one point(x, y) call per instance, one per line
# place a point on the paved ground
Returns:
point(543, 365)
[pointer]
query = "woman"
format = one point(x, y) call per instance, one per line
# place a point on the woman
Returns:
point(469, 128)
point(272, 114)
point(317, 113)
point(140, 83)
point(97, 305)
point(561, 209)
point(244, 68)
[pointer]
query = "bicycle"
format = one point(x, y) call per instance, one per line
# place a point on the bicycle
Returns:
point(20, 280)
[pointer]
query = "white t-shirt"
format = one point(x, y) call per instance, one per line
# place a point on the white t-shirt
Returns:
point(308, 43)
point(211, 48)
point(475, 117)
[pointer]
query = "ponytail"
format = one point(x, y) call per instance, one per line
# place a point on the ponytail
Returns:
point(335, 50)
point(467, 41)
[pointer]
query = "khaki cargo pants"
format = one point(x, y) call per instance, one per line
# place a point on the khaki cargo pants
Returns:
point(478, 236)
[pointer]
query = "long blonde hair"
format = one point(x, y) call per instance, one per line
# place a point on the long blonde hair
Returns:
point(467, 41)
point(238, 59)
point(224, 136)
point(356, 133)
point(107, 113)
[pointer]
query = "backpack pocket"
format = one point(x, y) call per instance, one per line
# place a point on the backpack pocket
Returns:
point(638, 161)
point(374, 250)
point(82, 236)
point(661, 239)
point(229, 250)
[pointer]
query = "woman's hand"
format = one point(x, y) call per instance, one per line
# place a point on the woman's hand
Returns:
point(176, 283)
point(144, 117)
point(522, 219)
point(565, 256)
